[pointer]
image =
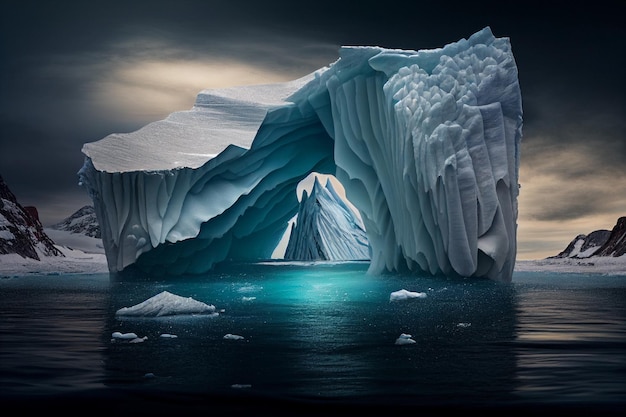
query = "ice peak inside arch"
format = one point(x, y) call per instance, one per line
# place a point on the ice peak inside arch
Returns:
point(426, 144)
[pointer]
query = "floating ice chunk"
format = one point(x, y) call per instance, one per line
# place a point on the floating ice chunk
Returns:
point(166, 304)
point(230, 336)
point(241, 386)
point(120, 335)
point(168, 336)
point(405, 339)
point(405, 295)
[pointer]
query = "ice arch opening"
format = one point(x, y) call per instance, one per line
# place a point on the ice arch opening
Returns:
point(426, 144)
point(306, 185)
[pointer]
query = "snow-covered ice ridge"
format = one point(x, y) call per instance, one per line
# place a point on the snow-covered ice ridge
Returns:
point(426, 144)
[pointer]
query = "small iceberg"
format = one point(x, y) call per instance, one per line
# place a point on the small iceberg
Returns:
point(120, 335)
point(130, 337)
point(233, 337)
point(167, 304)
point(405, 339)
point(405, 295)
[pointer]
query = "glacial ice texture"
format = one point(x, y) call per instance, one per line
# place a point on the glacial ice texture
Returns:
point(426, 144)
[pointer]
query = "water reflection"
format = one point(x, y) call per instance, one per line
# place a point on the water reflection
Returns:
point(570, 342)
point(51, 333)
point(323, 332)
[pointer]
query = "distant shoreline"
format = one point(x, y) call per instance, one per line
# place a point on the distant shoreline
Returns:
point(79, 262)
point(596, 265)
point(85, 255)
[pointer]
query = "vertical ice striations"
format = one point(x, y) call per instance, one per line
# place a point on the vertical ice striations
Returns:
point(426, 144)
point(427, 147)
point(326, 228)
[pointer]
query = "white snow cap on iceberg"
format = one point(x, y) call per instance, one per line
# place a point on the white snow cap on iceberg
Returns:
point(167, 304)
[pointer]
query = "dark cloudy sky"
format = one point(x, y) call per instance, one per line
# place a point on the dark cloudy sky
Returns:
point(75, 71)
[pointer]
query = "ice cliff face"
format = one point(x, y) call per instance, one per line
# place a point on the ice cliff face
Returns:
point(426, 144)
point(326, 228)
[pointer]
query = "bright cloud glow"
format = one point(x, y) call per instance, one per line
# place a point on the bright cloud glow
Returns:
point(565, 191)
point(155, 88)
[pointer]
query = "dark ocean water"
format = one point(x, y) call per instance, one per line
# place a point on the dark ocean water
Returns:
point(318, 340)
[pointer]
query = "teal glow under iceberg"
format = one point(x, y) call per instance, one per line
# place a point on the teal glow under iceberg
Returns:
point(426, 144)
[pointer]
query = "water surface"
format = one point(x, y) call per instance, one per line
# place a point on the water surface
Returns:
point(318, 334)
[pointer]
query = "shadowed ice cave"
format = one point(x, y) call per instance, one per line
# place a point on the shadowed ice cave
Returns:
point(425, 143)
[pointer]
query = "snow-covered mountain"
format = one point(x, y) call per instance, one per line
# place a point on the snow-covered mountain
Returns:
point(80, 232)
point(598, 243)
point(326, 228)
point(83, 221)
point(616, 243)
point(20, 231)
point(584, 246)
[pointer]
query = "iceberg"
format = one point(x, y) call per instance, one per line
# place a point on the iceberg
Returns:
point(403, 294)
point(167, 304)
point(326, 228)
point(426, 144)
point(405, 339)
point(120, 335)
point(230, 336)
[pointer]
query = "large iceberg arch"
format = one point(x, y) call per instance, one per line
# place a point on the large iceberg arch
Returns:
point(426, 144)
